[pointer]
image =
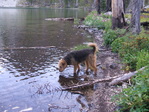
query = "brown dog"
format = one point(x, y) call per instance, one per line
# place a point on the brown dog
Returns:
point(76, 57)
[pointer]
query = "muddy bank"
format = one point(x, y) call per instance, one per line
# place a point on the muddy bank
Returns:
point(110, 66)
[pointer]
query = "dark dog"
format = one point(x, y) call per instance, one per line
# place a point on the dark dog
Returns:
point(88, 56)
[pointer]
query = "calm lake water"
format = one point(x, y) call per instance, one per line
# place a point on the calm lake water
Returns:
point(29, 80)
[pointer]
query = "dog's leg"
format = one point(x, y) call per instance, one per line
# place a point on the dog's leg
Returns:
point(94, 66)
point(92, 63)
point(87, 66)
point(75, 68)
point(78, 68)
point(95, 70)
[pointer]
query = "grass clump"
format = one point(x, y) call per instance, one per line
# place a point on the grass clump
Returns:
point(110, 35)
point(81, 46)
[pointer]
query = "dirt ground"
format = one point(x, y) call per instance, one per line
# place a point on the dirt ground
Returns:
point(100, 99)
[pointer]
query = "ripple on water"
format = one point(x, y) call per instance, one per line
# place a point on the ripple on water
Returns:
point(29, 75)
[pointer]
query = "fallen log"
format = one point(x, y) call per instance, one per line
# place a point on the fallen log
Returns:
point(143, 11)
point(72, 88)
point(114, 81)
point(145, 23)
point(59, 19)
point(124, 77)
point(63, 19)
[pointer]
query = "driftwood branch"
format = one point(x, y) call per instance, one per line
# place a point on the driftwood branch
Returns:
point(124, 77)
point(88, 83)
point(63, 19)
point(75, 89)
point(59, 19)
point(114, 80)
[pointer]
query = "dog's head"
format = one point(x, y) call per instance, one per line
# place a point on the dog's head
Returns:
point(62, 65)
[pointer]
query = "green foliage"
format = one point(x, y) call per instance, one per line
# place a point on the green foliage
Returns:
point(95, 20)
point(144, 17)
point(142, 59)
point(129, 48)
point(106, 15)
point(103, 5)
point(147, 9)
point(134, 51)
point(82, 46)
point(109, 37)
point(59, 3)
point(76, 21)
point(117, 44)
point(128, 15)
point(135, 98)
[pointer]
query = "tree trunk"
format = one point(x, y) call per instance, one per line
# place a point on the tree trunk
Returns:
point(69, 2)
point(108, 5)
point(97, 5)
point(76, 4)
point(118, 20)
point(142, 4)
point(135, 16)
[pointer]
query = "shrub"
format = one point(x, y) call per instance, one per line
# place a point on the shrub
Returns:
point(142, 40)
point(106, 15)
point(135, 98)
point(76, 21)
point(109, 37)
point(142, 59)
point(95, 20)
point(118, 43)
point(129, 46)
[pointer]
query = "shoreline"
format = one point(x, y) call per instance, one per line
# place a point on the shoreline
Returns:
point(110, 66)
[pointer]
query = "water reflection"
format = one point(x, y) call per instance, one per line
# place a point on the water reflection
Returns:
point(28, 27)
point(27, 76)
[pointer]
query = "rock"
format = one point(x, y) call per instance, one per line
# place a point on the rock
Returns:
point(108, 13)
point(146, 7)
point(113, 66)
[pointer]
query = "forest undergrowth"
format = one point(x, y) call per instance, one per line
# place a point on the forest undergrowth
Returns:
point(134, 53)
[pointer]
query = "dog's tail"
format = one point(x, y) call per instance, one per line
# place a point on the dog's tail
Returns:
point(94, 45)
